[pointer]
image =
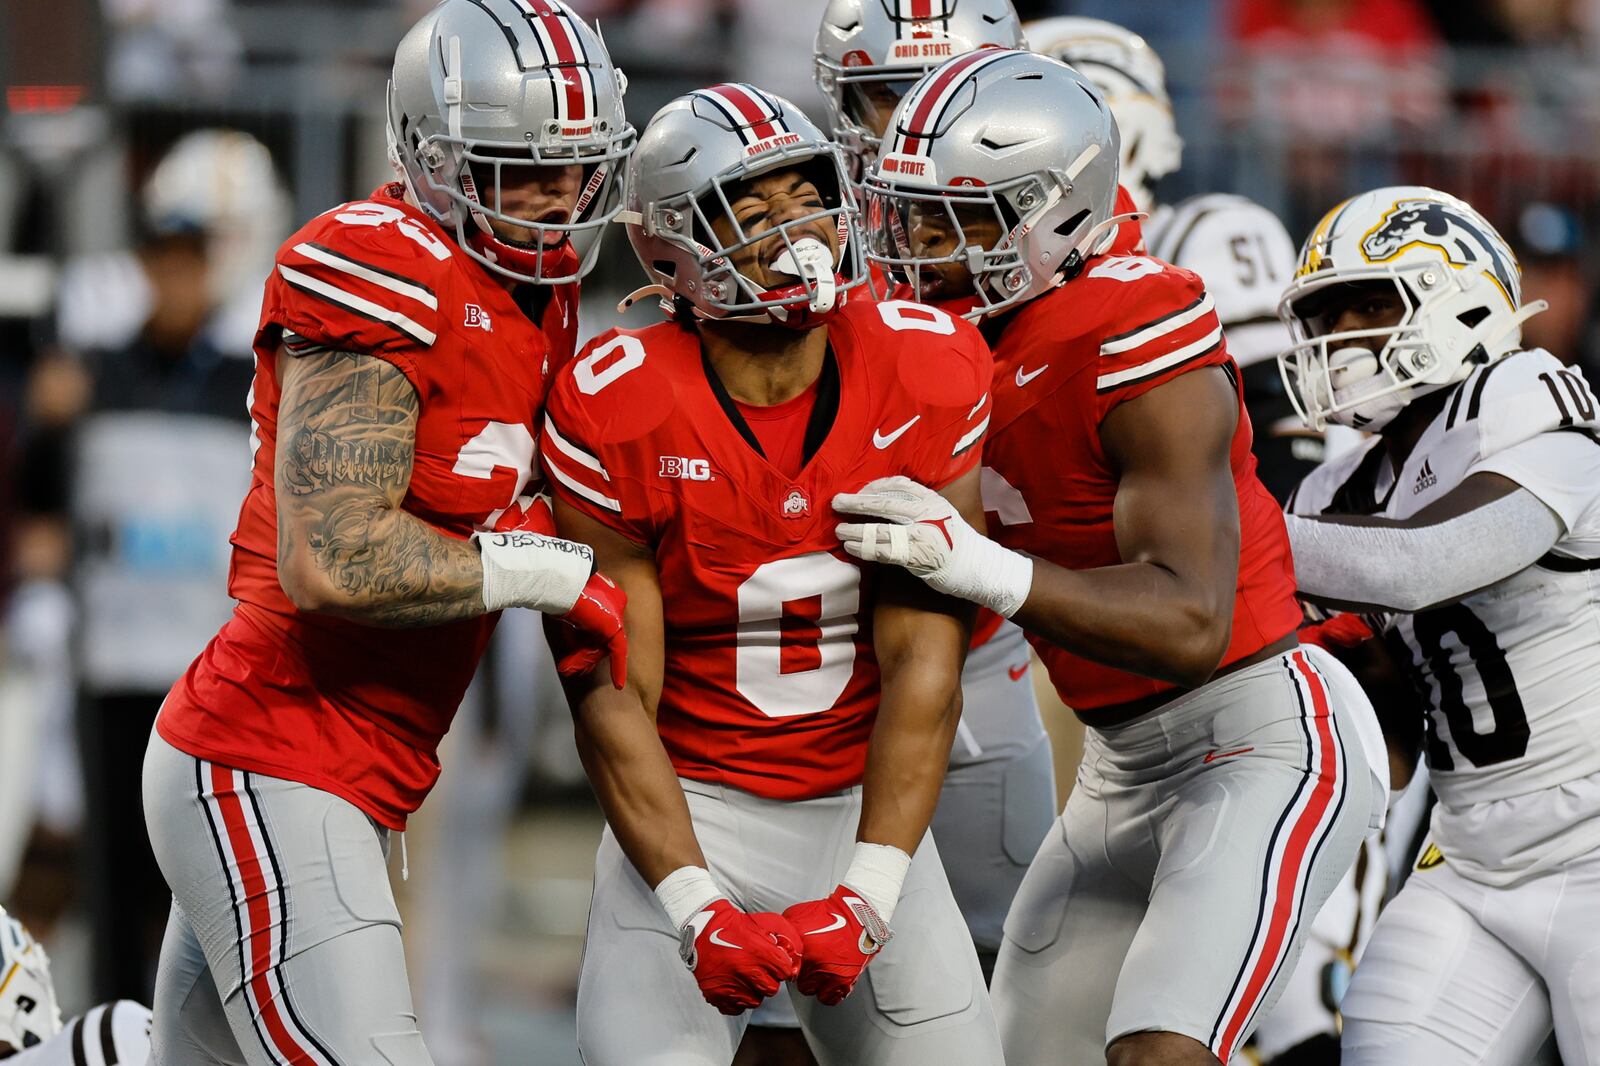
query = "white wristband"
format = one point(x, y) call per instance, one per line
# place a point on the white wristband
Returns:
point(876, 872)
point(1004, 578)
point(527, 569)
point(685, 892)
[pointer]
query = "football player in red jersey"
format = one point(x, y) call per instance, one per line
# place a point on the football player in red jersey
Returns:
point(405, 346)
point(1157, 585)
point(789, 712)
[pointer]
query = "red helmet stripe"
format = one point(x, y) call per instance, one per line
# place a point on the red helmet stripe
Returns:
point(749, 106)
point(563, 51)
point(932, 96)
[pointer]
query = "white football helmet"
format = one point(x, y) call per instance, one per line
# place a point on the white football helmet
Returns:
point(1458, 279)
point(1133, 80)
point(864, 46)
point(28, 1012)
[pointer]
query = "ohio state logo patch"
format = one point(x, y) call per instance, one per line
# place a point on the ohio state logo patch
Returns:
point(796, 504)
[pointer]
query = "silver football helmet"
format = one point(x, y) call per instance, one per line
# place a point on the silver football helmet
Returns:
point(1024, 141)
point(870, 51)
point(480, 86)
point(28, 1012)
point(689, 156)
point(1133, 80)
point(1458, 281)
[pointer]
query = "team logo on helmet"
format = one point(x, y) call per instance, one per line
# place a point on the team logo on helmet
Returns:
point(1463, 240)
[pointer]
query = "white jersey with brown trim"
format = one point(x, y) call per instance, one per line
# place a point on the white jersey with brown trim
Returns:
point(112, 1034)
point(1510, 675)
point(1246, 258)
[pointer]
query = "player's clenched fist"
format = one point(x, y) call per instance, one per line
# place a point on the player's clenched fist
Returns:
point(597, 618)
point(739, 959)
point(839, 936)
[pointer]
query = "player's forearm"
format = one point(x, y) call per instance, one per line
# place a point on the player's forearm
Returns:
point(634, 782)
point(909, 751)
point(1388, 565)
point(1139, 617)
point(361, 559)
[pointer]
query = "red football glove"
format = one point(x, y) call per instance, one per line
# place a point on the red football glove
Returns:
point(596, 631)
point(1340, 631)
point(739, 959)
point(840, 935)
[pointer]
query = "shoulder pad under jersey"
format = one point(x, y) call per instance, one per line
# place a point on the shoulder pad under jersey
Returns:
point(1520, 396)
point(1149, 317)
point(366, 276)
point(938, 359)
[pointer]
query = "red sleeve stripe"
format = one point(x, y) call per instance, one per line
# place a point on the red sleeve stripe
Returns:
point(973, 436)
point(1160, 365)
point(1170, 322)
point(572, 451)
point(357, 306)
point(367, 272)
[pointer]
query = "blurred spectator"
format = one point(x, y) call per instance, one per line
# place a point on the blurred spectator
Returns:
point(137, 446)
point(169, 49)
point(1340, 70)
point(1549, 243)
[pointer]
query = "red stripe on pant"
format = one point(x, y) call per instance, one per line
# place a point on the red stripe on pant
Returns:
point(1294, 858)
point(258, 931)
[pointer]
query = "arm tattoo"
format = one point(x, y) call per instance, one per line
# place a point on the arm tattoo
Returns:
point(347, 438)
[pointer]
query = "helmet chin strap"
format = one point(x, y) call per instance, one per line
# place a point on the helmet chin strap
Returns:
point(1511, 322)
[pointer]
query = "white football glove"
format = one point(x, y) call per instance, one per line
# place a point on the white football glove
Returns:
point(922, 532)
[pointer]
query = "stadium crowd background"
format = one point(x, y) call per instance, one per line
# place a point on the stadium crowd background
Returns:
point(153, 153)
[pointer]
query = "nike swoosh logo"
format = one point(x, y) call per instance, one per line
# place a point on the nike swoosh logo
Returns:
point(716, 938)
point(881, 440)
point(1213, 756)
point(838, 923)
point(1023, 379)
point(1016, 672)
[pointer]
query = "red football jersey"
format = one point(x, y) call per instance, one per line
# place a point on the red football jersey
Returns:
point(356, 710)
point(770, 684)
point(1063, 362)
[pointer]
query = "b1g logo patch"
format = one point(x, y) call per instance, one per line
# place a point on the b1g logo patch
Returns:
point(478, 318)
point(684, 468)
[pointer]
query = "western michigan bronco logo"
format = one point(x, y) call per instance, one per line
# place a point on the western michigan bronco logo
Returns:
point(1461, 238)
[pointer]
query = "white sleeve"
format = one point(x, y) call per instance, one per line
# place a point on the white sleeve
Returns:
point(1562, 469)
point(1400, 569)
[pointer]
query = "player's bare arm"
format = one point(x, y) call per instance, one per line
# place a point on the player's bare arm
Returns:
point(1167, 612)
point(1480, 533)
point(920, 638)
point(616, 730)
point(346, 441)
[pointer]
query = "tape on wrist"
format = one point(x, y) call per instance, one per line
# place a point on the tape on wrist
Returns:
point(527, 569)
point(685, 892)
point(1008, 580)
point(876, 872)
